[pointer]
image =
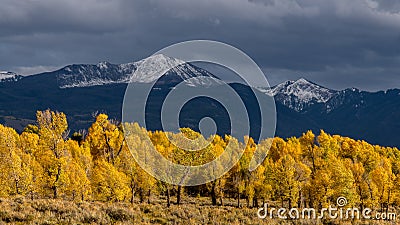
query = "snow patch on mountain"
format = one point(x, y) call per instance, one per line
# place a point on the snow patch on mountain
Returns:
point(6, 76)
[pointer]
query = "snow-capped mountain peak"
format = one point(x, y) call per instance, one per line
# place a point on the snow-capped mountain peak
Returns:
point(144, 71)
point(300, 93)
point(304, 90)
point(151, 68)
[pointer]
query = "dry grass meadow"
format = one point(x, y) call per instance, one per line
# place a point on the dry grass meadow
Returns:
point(19, 210)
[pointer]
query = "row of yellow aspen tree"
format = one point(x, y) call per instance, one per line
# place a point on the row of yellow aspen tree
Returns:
point(310, 171)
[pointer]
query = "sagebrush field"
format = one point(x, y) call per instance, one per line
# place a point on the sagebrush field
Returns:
point(192, 211)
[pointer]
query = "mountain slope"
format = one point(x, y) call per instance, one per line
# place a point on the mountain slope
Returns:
point(371, 116)
point(81, 90)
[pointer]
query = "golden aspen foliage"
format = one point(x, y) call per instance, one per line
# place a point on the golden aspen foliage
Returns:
point(286, 185)
point(52, 154)
point(109, 184)
point(216, 187)
point(105, 139)
point(30, 146)
point(362, 184)
point(79, 168)
point(278, 148)
point(16, 177)
point(343, 180)
point(112, 163)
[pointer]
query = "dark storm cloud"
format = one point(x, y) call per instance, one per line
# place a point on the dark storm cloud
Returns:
point(337, 43)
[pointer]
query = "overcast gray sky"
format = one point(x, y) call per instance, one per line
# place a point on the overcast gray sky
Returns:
point(336, 43)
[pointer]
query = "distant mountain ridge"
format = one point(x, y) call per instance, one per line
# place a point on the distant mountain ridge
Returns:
point(300, 94)
point(80, 90)
point(151, 68)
